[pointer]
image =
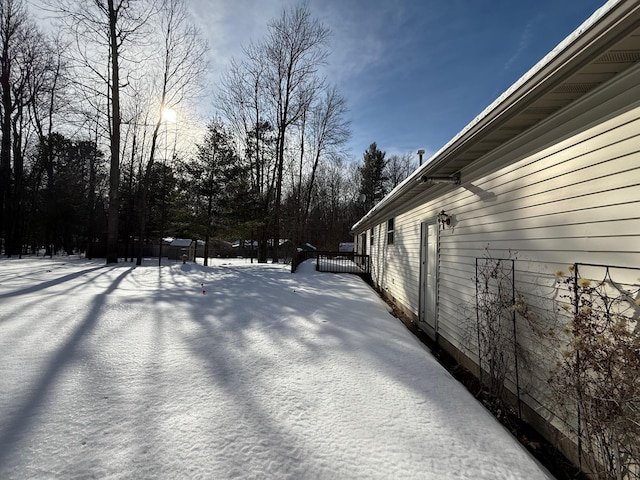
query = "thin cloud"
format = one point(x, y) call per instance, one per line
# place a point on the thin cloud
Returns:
point(231, 26)
point(525, 41)
point(361, 35)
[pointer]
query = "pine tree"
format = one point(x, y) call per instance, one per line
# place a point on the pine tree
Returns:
point(217, 180)
point(373, 178)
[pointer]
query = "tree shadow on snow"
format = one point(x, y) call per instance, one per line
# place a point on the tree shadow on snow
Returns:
point(49, 283)
point(27, 413)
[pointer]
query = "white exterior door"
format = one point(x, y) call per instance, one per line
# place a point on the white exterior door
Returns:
point(429, 278)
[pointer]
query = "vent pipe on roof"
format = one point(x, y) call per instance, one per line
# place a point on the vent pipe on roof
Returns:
point(420, 153)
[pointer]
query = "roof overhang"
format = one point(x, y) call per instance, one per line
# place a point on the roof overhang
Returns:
point(605, 45)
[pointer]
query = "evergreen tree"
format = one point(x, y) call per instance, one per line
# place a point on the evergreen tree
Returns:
point(373, 178)
point(217, 179)
point(65, 179)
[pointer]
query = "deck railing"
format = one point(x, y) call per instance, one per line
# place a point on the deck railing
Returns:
point(336, 262)
point(344, 262)
point(300, 256)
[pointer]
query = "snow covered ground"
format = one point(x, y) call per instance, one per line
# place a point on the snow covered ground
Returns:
point(231, 371)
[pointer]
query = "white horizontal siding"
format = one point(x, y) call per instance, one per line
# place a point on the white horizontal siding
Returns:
point(546, 203)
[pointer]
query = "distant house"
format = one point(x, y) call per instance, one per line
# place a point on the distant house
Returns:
point(307, 247)
point(181, 246)
point(245, 244)
point(346, 247)
point(217, 248)
point(547, 175)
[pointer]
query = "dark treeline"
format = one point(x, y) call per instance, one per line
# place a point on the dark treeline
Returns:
point(94, 160)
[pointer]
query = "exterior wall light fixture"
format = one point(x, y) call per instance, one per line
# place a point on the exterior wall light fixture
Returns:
point(433, 179)
point(444, 219)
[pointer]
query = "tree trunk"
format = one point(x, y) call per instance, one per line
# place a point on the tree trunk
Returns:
point(5, 145)
point(114, 173)
point(276, 214)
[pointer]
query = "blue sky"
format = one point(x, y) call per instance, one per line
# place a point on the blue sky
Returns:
point(414, 72)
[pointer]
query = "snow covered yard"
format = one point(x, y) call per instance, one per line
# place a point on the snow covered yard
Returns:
point(123, 372)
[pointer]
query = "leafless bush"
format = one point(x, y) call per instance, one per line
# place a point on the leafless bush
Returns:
point(495, 325)
point(598, 376)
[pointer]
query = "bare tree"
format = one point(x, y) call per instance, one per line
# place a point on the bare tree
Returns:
point(329, 130)
point(332, 211)
point(25, 78)
point(107, 29)
point(398, 168)
point(180, 69)
point(241, 100)
point(321, 132)
point(48, 90)
point(278, 85)
point(13, 24)
point(293, 51)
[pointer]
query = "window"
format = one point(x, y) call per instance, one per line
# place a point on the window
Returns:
point(390, 231)
point(371, 237)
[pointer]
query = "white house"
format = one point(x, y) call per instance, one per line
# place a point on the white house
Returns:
point(548, 175)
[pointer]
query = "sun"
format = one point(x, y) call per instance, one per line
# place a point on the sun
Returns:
point(168, 115)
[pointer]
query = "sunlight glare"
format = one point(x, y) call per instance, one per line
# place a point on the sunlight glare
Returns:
point(169, 115)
